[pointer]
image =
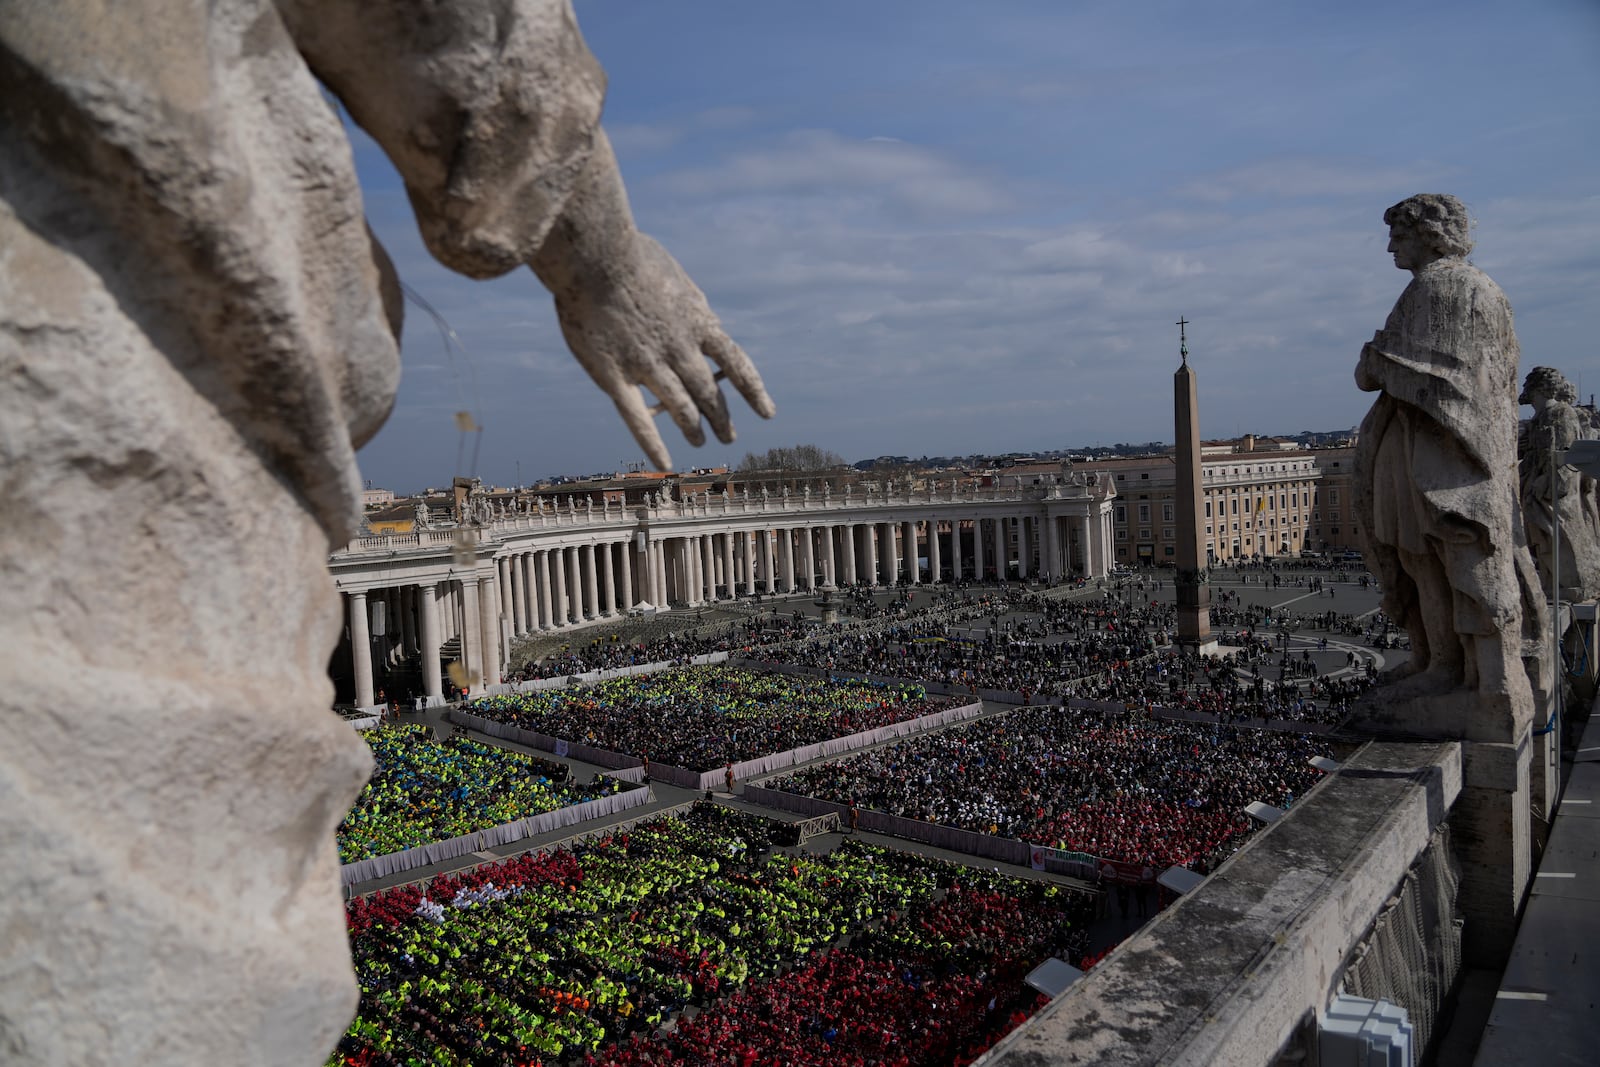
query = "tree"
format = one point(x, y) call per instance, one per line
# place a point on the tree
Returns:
point(795, 458)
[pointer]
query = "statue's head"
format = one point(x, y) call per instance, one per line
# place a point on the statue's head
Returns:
point(1428, 227)
point(1549, 384)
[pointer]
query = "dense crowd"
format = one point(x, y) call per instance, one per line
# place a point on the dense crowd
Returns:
point(702, 718)
point(425, 790)
point(1010, 640)
point(547, 958)
point(1118, 786)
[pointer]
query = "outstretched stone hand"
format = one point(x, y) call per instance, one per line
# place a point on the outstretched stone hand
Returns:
point(633, 318)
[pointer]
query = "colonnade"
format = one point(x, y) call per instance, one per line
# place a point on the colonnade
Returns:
point(514, 586)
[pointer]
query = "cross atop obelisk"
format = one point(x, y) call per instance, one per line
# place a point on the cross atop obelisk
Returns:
point(1183, 339)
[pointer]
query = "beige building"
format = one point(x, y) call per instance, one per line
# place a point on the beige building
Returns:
point(1261, 498)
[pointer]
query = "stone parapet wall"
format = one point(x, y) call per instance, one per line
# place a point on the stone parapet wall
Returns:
point(1232, 972)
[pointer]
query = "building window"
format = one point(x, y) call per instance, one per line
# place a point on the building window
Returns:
point(1167, 533)
point(1122, 535)
point(1144, 512)
point(1146, 476)
point(1121, 477)
point(1208, 509)
point(1171, 551)
point(1166, 512)
point(1144, 535)
point(1333, 496)
point(1122, 513)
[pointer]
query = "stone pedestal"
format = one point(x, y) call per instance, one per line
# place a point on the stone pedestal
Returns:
point(1492, 835)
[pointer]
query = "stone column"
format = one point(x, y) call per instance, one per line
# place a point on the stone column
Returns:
point(977, 549)
point(808, 559)
point(558, 579)
point(869, 552)
point(786, 559)
point(847, 541)
point(935, 563)
point(955, 549)
point(519, 597)
point(361, 650)
point(708, 565)
point(625, 558)
point(769, 569)
point(574, 568)
point(663, 596)
point(502, 584)
point(428, 623)
point(489, 619)
point(727, 563)
point(747, 545)
point(607, 580)
point(830, 572)
point(688, 561)
point(546, 614)
point(891, 553)
point(472, 634)
point(913, 569)
point(1024, 549)
point(1085, 539)
point(591, 584)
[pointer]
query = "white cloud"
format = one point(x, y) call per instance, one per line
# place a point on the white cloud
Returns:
point(821, 162)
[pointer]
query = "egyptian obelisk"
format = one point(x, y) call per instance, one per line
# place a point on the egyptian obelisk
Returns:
point(1193, 581)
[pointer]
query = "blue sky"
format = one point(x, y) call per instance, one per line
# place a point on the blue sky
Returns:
point(944, 228)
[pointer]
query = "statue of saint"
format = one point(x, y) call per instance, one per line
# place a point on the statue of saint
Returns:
point(421, 514)
point(1436, 493)
point(1557, 424)
point(208, 331)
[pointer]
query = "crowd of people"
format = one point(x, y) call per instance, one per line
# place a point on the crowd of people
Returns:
point(424, 790)
point(548, 958)
point(1118, 786)
point(701, 718)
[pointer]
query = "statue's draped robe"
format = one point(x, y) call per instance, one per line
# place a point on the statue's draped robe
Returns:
point(1580, 507)
point(195, 335)
point(1436, 465)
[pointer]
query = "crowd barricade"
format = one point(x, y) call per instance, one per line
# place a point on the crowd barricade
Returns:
point(600, 757)
point(536, 685)
point(838, 746)
point(630, 768)
point(450, 848)
point(999, 696)
point(1081, 865)
point(366, 722)
point(968, 842)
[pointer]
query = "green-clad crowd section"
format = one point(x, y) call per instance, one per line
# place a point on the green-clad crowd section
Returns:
point(424, 790)
point(588, 952)
point(702, 718)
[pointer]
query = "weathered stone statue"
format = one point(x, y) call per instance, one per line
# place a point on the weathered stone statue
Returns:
point(422, 514)
point(1436, 489)
point(196, 332)
point(1556, 423)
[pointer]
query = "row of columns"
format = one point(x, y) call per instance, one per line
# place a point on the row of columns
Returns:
point(534, 590)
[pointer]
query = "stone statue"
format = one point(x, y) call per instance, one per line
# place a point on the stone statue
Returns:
point(1556, 423)
point(200, 330)
point(422, 514)
point(1436, 492)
